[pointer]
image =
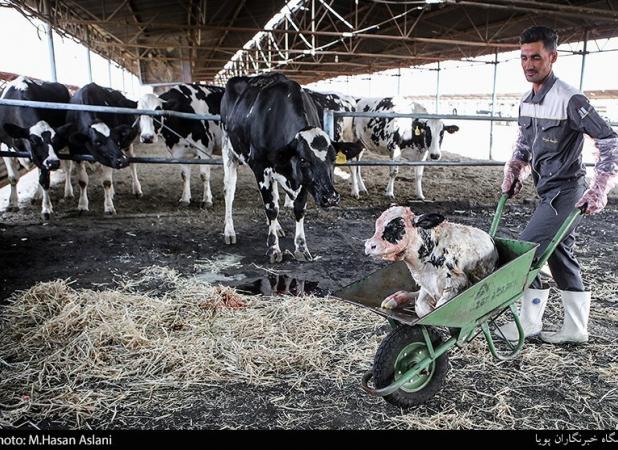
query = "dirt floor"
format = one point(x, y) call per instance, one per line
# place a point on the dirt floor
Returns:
point(94, 250)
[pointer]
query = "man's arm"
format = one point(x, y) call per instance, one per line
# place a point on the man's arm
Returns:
point(583, 117)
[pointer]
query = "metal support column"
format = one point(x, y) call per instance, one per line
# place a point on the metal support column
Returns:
point(399, 81)
point(493, 107)
point(109, 72)
point(584, 53)
point(52, 53)
point(438, 89)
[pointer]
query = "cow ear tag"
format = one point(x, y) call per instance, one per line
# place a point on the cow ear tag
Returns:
point(417, 131)
point(341, 158)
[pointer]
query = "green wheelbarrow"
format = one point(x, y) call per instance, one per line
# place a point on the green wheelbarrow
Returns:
point(411, 362)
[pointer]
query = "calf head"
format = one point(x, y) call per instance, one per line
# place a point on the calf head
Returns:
point(149, 127)
point(106, 144)
point(42, 141)
point(397, 230)
point(309, 161)
point(428, 134)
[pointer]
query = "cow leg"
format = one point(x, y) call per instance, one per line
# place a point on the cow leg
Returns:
point(135, 184)
point(419, 178)
point(361, 183)
point(354, 173)
point(205, 176)
point(280, 231)
point(271, 206)
point(67, 168)
point(289, 203)
point(230, 175)
point(185, 174)
point(301, 253)
point(395, 153)
point(82, 178)
point(38, 191)
point(46, 206)
point(108, 190)
point(12, 168)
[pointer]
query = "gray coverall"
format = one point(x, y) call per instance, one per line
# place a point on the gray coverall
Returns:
point(552, 124)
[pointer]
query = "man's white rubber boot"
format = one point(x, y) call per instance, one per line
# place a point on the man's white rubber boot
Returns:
point(530, 315)
point(575, 326)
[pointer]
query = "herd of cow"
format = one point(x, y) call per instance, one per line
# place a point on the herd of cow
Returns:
point(268, 122)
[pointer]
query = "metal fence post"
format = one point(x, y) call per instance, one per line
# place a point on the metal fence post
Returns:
point(493, 107)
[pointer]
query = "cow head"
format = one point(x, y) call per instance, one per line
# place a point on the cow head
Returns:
point(428, 134)
point(42, 141)
point(309, 161)
point(106, 144)
point(149, 128)
point(398, 230)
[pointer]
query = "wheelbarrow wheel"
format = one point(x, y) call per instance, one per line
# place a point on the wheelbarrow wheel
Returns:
point(400, 351)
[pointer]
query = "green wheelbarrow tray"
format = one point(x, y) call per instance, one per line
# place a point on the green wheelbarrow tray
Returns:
point(464, 314)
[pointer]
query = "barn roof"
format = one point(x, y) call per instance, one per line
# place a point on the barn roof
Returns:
point(192, 40)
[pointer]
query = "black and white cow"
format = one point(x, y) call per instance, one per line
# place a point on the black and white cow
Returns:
point(106, 136)
point(36, 131)
point(343, 132)
point(185, 138)
point(411, 139)
point(272, 125)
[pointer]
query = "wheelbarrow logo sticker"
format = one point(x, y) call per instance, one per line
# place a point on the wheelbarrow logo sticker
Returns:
point(485, 293)
point(482, 296)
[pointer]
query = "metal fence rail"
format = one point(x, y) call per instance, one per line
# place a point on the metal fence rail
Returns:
point(107, 109)
point(329, 116)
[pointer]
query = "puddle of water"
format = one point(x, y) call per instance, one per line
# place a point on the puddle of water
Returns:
point(210, 277)
point(275, 285)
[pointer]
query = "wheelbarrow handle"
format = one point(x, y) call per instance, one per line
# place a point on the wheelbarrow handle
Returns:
point(498, 215)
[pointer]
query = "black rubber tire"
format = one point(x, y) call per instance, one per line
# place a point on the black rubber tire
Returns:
point(384, 366)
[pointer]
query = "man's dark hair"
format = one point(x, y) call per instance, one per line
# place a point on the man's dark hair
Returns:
point(536, 34)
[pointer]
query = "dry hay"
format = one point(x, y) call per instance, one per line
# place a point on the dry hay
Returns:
point(110, 355)
point(70, 353)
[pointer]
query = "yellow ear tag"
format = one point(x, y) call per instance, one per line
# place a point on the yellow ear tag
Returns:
point(341, 158)
point(417, 131)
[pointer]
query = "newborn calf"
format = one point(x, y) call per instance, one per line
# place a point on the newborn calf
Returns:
point(443, 258)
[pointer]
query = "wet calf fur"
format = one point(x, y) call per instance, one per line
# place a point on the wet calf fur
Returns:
point(443, 258)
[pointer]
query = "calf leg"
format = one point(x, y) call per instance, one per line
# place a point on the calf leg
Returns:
point(424, 304)
point(46, 206)
point(301, 253)
point(205, 176)
point(395, 153)
point(67, 168)
point(82, 178)
point(135, 184)
point(452, 285)
point(108, 186)
point(230, 167)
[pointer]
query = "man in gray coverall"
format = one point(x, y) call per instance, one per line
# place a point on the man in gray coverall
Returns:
point(553, 118)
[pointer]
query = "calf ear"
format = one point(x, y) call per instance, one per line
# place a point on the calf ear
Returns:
point(349, 149)
point(428, 221)
point(17, 132)
point(451, 128)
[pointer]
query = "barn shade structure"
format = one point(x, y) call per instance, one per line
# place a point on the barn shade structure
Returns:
point(206, 40)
